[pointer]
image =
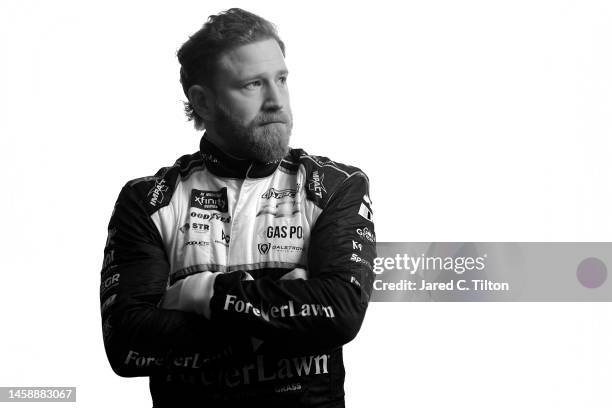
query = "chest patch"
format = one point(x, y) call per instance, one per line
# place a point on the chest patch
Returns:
point(209, 200)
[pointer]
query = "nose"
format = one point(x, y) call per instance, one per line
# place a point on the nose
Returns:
point(273, 97)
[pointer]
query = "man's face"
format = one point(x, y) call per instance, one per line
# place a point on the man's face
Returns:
point(252, 112)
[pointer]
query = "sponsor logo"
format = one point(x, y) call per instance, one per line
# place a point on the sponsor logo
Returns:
point(288, 387)
point(156, 194)
point(366, 233)
point(316, 184)
point(136, 359)
point(365, 212)
point(225, 239)
point(184, 228)
point(108, 259)
point(285, 231)
point(209, 200)
point(357, 245)
point(109, 283)
point(200, 228)
point(107, 271)
point(280, 203)
point(260, 369)
point(355, 282)
point(197, 243)
point(213, 216)
point(287, 248)
point(365, 209)
point(356, 258)
point(288, 310)
point(278, 194)
point(192, 361)
point(263, 248)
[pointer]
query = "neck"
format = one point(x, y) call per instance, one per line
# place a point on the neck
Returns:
point(221, 143)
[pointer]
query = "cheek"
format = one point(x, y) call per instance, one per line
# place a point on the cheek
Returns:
point(244, 109)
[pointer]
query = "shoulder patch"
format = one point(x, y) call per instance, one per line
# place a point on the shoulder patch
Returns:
point(156, 191)
point(323, 176)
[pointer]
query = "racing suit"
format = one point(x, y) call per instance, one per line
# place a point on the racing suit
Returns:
point(202, 287)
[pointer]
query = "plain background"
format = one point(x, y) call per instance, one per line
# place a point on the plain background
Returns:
point(475, 120)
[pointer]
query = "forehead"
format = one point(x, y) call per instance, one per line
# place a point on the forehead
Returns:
point(251, 60)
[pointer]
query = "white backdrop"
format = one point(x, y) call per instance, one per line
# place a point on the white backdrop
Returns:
point(475, 120)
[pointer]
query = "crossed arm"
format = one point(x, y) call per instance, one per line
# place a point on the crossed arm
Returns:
point(216, 315)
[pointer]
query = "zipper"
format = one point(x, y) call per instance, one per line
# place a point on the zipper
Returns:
point(237, 205)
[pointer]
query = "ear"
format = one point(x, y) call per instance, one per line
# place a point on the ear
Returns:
point(203, 101)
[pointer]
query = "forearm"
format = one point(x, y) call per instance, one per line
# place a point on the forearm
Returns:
point(321, 312)
point(326, 309)
point(146, 340)
point(139, 337)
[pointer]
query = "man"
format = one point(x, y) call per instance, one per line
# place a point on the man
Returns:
point(235, 276)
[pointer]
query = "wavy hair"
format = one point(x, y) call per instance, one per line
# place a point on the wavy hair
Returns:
point(222, 32)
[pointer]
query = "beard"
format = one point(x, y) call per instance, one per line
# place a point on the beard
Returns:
point(259, 140)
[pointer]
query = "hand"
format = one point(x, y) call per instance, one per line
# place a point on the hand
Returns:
point(297, 273)
point(191, 294)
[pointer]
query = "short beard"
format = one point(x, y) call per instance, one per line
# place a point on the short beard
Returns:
point(260, 143)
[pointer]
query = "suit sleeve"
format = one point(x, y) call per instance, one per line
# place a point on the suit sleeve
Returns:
point(140, 338)
point(325, 310)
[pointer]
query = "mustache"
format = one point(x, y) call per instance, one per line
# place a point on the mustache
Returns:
point(264, 118)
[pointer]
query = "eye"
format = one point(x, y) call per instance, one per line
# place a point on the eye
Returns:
point(282, 79)
point(252, 85)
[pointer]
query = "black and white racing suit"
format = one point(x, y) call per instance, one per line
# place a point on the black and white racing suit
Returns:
point(197, 289)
